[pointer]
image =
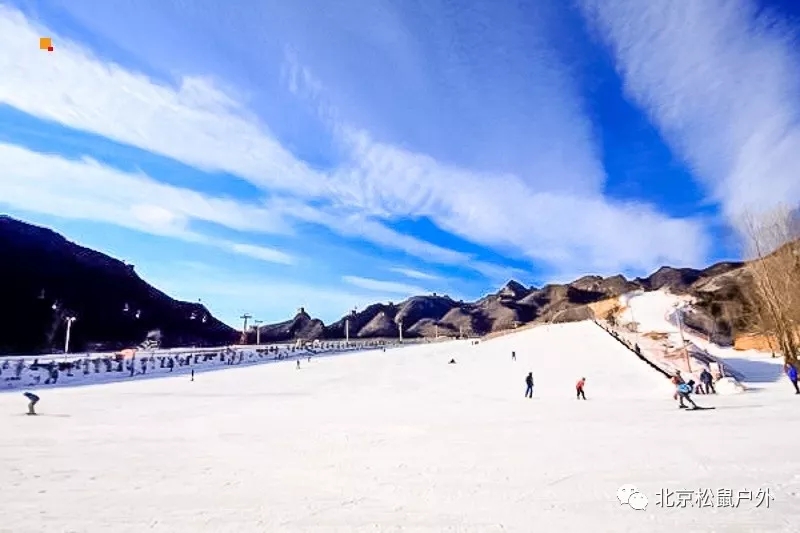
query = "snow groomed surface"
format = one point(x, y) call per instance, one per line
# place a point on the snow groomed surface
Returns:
point(399, 441)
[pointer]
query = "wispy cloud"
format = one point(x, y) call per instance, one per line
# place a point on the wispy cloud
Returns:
point(413, 274)
point(194, 123)
point(720, 79)
point(87, 190)
point(556, 213)
point(271, 299)
point(384, 286)
point(263, 253)
point(559, 217)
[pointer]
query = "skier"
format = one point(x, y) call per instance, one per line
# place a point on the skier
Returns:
point(682, 390)
point(452, 362)
point(791, 373)
point(298, 364)
point(529, 385)
point(513, 356)
point(33, 401)
point(580, 395)
point(192, 375)
point(708, 381)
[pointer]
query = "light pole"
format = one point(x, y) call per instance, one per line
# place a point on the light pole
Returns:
point(679, 310)
point(347, 330)
point(400, 330)
point(245, 317)
point(69, 320)
point(258, 331)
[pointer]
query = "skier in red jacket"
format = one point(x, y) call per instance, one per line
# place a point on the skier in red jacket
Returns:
point(579, 389)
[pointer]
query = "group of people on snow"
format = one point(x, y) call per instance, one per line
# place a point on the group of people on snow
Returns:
point(580, 394)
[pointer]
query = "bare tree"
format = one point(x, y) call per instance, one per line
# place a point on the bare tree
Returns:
point(775, 271)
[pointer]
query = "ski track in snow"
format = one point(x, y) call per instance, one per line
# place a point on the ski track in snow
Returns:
point(399, 441)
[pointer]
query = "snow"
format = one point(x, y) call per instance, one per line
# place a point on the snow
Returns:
point(33, 375)
point(398, 441)
point(655, 311)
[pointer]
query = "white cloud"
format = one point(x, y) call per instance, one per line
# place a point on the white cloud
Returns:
point(414, 274)
point(232, 293)
point(566, 230)
point(346, 222)
point(194, 123)
point(560, 217)
point(263, 253)
point(384, 286)
point(87, 190)
point(721, 80)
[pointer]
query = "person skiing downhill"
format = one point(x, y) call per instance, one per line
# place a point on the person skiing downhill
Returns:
point(33, 401)
point(529, 385)
point(513, 356)
point(580, 395)
point(682, 390)
point(791, 373)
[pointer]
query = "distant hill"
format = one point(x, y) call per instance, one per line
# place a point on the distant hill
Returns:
point(45, 278)
point(723, 291)
point(116, 308)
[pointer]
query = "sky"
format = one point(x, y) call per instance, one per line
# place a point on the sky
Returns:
point(263, 156)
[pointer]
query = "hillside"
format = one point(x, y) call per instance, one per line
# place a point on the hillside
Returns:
point(50, 278)
point(46, 278)
point(721, 290)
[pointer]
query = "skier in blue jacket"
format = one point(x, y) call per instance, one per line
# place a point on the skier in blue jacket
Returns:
point(683, 390)
point(791, 373)
point(33, 399)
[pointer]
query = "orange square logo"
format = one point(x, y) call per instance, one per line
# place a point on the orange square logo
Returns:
point(45, 43)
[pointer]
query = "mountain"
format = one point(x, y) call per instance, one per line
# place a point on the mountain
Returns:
point(45, 278)
point(49, 278)
point(723, 292)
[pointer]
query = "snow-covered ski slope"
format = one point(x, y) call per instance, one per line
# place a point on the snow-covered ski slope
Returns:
point(655, 311)
point(398, 441)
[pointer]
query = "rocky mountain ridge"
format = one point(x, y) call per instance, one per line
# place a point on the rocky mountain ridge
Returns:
point(722, 293)
point(47, 278)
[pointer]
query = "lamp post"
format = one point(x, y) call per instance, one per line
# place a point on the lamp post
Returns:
point(679, 310)
point(258, 331)
point(69, 320)
point(245, 317)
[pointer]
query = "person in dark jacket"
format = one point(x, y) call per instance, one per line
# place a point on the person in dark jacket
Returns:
point(33, 401)
point(708, 381)
point(791, 373)
point(529, 385)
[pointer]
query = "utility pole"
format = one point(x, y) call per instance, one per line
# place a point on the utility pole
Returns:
point(683, 340)
point(258, 331)
point(69, 320)
point(347, 330)
point(245, 317)
point(400, 330)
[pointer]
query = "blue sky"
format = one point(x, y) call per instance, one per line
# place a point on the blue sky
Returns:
point(262, 156)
